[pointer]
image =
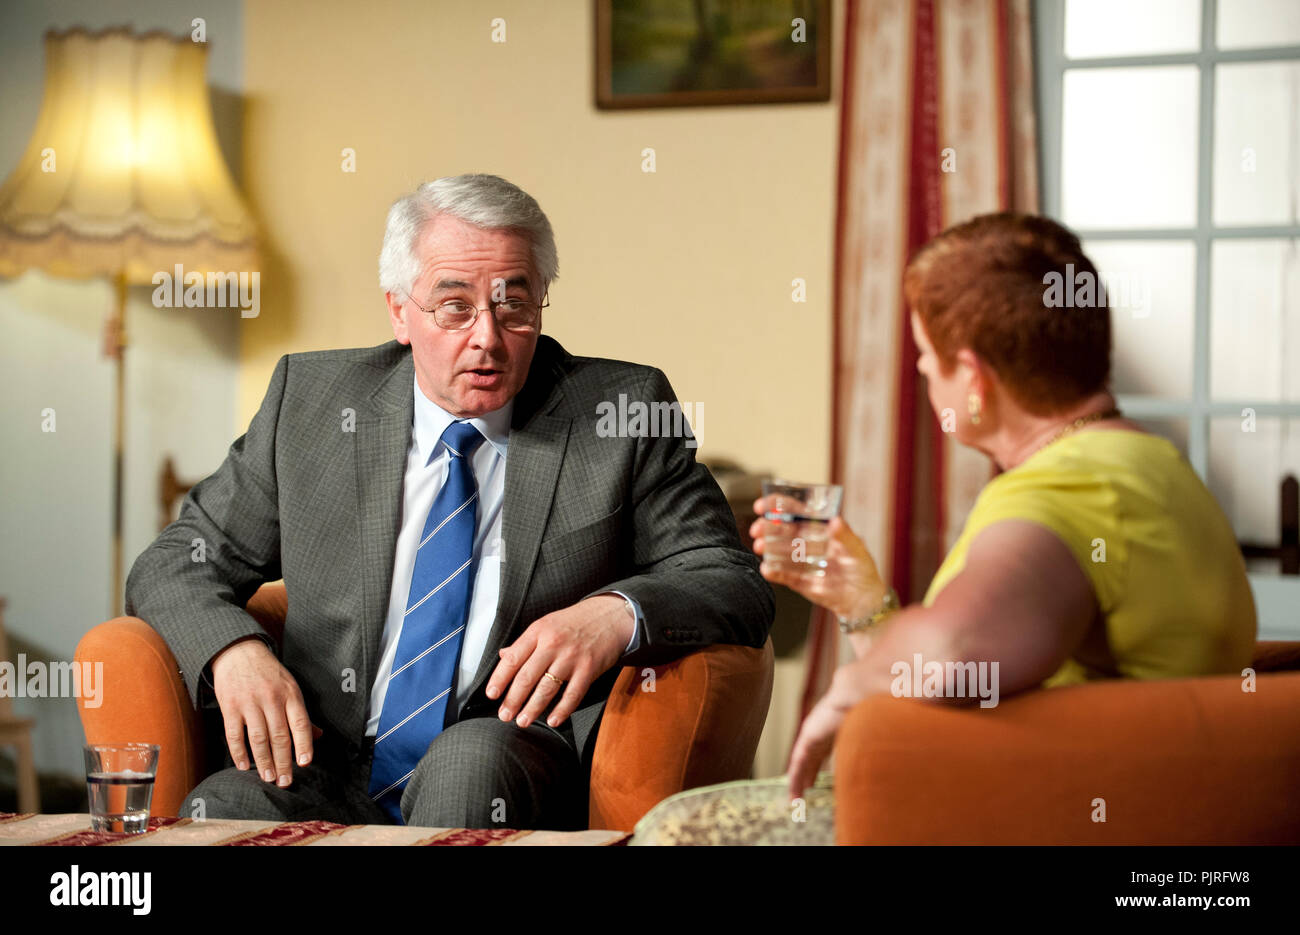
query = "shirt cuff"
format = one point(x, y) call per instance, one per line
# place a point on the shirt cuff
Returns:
point(635, 642)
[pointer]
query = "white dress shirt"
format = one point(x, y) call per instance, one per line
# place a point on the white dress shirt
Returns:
point(426, 472)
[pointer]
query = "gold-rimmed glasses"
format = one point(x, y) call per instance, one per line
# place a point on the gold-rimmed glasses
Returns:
point(513, 314)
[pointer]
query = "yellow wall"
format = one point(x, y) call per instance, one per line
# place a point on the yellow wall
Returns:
point(688, 268)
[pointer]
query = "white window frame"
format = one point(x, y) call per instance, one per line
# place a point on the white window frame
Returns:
point(1277, 597)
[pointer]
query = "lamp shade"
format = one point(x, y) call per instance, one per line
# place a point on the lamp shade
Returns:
point(122, 176)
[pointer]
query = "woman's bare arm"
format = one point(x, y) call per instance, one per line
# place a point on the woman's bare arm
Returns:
point(1021, 601)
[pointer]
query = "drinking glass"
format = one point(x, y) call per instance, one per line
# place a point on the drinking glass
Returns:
point(798, 519)
point(119, 782)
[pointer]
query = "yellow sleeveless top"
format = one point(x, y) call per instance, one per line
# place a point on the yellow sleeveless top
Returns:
point(1161, 557)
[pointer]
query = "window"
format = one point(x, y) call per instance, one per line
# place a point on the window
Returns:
point(1170, 140)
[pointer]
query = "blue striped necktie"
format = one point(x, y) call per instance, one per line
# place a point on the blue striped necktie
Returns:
point(415, 704)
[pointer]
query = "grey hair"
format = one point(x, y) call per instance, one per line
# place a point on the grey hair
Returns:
point(486, 201)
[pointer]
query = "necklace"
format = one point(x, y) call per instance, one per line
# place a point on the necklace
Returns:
point(1111, 413)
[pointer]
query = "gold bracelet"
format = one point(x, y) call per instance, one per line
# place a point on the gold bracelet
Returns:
point(867, 621)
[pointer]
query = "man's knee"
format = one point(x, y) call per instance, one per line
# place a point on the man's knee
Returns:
point(235, 793)
point(484, 773)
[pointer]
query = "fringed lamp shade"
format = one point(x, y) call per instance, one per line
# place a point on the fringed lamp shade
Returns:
point(122, 176)
point(123, 179)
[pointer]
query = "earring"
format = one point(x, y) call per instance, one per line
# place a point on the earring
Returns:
point(973, 407)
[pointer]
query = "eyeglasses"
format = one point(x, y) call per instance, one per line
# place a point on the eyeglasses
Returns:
point(511, 314)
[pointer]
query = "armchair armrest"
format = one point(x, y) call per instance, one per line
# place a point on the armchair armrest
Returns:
point(1179, 761)
point(698, 726)
point(269, 605)
point(144, 700)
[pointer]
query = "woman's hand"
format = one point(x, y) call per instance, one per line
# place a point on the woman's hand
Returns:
point(852, 682)
point(849, 586)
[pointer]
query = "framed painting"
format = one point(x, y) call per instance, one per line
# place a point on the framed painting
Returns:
point(676, 53)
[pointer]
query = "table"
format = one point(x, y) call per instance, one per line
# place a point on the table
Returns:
point(74, 830)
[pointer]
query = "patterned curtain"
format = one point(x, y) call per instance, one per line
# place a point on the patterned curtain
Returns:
point(936, 126)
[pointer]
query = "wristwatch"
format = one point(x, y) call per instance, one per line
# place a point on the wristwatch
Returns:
point(865, 622)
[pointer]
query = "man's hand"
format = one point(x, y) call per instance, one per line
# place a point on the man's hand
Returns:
point(256, 693)
point(575, 645)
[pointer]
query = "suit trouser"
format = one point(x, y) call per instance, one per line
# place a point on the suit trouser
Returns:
point(478, 773)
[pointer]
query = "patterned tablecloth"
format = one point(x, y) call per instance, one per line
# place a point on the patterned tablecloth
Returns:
point(74, 830)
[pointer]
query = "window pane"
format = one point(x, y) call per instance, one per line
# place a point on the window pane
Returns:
point(1128, 147)
point(1245, 24)
point(1150, 286)
point(1248, 460)
point(1255, 320)
point(1097, 28)
point(1257, 143)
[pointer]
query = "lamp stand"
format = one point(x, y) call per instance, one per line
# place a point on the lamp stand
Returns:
point(116, 346)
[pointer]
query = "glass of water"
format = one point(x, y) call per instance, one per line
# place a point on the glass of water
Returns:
point(798, 519)
point(119, 782)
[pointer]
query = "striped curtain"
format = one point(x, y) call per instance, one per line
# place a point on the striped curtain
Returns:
point(936, 126)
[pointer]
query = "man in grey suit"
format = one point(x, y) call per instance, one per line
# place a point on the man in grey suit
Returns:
point(469, 558)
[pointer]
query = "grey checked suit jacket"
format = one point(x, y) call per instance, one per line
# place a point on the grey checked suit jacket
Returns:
point(300, 498)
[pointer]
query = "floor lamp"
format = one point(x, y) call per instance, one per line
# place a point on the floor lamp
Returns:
point(122, 178)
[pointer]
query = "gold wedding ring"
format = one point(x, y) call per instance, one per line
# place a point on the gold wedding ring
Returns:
point(553, 678)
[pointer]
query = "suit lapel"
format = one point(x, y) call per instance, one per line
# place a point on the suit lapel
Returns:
point(380, 446)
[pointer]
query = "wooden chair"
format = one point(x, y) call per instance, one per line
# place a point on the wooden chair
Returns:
point(1287, 551)
point(16, 732)
point(170, 489)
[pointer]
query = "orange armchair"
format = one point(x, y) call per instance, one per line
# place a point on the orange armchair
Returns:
point(1178, 761)
point(700, 725)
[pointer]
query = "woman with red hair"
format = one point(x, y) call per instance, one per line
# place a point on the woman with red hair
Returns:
point(1096, 553)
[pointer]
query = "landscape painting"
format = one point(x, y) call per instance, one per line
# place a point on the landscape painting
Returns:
point(668, 53)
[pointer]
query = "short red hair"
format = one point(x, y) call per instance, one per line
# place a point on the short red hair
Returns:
point(983, 285)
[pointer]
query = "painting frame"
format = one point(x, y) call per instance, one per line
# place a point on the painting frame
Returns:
point(608, 99)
